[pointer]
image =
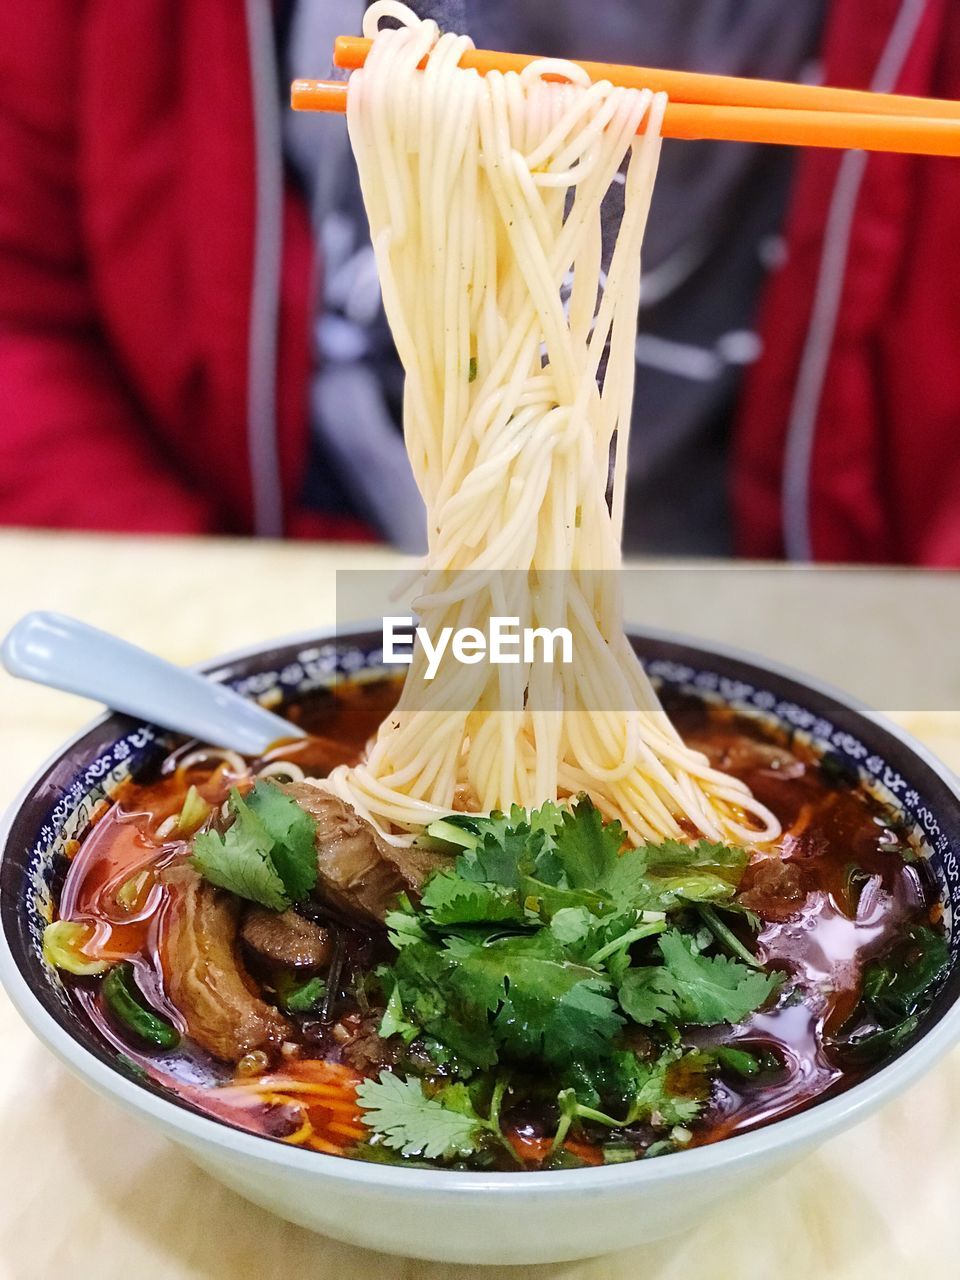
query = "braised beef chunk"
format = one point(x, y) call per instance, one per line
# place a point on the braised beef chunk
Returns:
point(202, 972)
point(286, 938)
point(415, 864)
point(360, 874)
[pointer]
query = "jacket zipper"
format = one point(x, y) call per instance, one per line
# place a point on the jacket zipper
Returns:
point(262, 450)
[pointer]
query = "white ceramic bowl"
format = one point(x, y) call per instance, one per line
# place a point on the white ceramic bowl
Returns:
point(449, 1216)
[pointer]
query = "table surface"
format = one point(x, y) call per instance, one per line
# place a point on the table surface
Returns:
point(89, 1190)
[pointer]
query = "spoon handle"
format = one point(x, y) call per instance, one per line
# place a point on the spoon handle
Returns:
point(63, 653)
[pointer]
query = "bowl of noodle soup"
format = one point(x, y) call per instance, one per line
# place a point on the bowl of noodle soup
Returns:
point(462, 1216)
point(625, 933)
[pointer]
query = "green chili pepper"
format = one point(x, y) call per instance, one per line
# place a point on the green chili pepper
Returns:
point(125, 1001)
point(737, 1060)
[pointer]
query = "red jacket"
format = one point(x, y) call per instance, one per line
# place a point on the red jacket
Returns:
point(848, 447)
point(154, 337)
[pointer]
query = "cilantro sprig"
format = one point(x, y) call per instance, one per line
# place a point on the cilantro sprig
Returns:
point(534, 953)
point(267, 854)
point(442, 1126)
point(692, 988)
point(652, 1098)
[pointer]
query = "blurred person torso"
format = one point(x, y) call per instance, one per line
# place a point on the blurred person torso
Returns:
point(164, 368)
point(713, 231)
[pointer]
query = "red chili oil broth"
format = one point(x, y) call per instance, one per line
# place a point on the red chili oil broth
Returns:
point(819, 936)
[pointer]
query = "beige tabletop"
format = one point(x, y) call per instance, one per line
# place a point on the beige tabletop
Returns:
point(87, 1191)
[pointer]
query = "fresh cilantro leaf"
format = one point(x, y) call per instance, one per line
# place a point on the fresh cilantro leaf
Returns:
point(498, 849)
point(656, 1098)
point(266, 855)
point(605, 941)
point(627, 882)
point(499, 859)
point(594, 860)
point(524, 951)
point(405, 1119)
point(574, 926)
point(648, 995)
point(393, 1023)
point(240, 859)
point(458, 1097)
point(713, 989)
point(584, 1021)
point(546, 900)
point(705, 853)
point(544, 1004)
point(548, 819)
point(517, 995)
point(547, 868)
point(617, 962)
point(606, 1082)
point(435, 998)
point(651, 1090)
point(448, 899)
point(588, 848)
point(502, 849)
point(616, 935)
point(301, 996)
point(403, 926)
point(293, 832)
point(575, 852)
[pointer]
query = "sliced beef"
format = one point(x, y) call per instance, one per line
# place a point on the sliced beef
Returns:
point(286, 938)
point(360, 873)
point(414, 864)
point(203, 974)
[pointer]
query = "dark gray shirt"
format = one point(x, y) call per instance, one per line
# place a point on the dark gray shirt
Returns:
point(713, 233)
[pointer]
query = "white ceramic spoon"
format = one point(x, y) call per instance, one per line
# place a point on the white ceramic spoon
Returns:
point(63, 653)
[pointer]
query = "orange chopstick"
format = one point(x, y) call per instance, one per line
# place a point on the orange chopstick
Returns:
point(909, 133)
point(724, 107)
point(350, 52)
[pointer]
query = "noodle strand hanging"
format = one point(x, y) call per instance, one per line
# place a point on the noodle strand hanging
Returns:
point(485, 197)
